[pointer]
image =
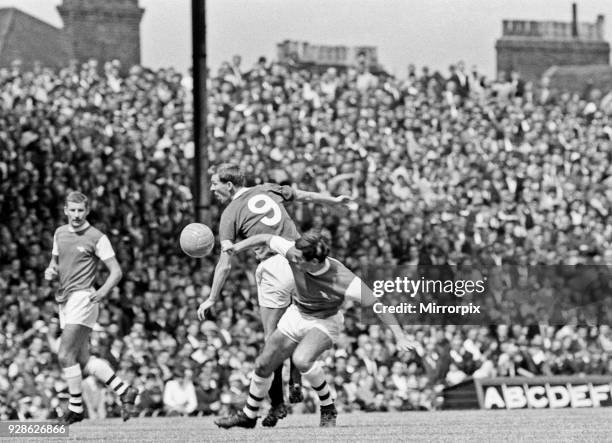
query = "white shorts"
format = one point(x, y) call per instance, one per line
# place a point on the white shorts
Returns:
point(295, 324)
point(78, 310)
point(275, 284)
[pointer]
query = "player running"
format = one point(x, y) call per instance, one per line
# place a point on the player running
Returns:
point(311, 324)
point(260, 210)
point(77, 249)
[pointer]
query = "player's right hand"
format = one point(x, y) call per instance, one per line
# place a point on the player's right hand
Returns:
point(293, 255)
point(228, 247)
point(205, 306)
point(404, 344)
point(50, 273)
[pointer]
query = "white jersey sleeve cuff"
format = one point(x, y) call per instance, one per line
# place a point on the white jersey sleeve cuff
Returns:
point(55, 250)
point(353, 292)
point(281, 245)
point(104, 250)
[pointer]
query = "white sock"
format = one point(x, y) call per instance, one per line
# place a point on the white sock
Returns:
point(316, 377)
point(74, 378)
point(102, 371)
point(257, 392)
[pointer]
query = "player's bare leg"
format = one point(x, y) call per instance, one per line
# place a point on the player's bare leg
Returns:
point(270, 318)
point(83, 355)
point(103, 371)
point(278, 410)
point(295, 384)
point(305, 358)
point(276, 350)
point(74, 339)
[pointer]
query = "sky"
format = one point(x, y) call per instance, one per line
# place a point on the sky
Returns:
point(424, 32)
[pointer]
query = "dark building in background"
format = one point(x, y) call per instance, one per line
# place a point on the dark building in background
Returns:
point(104, 30)
point(532, 47)
point(28, 39)
point(101, 29)
point(580, 78)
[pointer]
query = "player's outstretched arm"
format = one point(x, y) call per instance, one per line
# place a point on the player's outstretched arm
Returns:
point(364, 296)
point(251, 242)
point(277, 244)
point(114, 277)
point(222, 270)
point(317, 197)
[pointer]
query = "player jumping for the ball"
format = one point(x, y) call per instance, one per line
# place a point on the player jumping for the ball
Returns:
point(260, 210)
point(311, 324)
point(77, 249)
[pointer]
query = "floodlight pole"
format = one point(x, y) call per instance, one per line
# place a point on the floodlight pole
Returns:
point(201, 189)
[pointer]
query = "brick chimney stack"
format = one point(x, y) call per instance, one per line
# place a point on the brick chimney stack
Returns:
point(103, 29)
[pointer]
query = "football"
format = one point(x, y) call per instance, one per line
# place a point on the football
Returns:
point(197, 240)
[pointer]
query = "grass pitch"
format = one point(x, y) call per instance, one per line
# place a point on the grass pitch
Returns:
point(523, 425)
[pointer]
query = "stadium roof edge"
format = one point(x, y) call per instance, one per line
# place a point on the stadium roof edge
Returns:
point(6, 22)
point(16, 12)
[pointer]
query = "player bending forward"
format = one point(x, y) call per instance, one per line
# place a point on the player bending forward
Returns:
point(77, 248)
point(260, 210)
point(310, 325)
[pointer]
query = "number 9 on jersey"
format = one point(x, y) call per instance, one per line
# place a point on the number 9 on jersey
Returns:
point(262, 204)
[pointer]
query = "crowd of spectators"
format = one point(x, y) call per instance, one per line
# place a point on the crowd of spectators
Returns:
point(446, 169)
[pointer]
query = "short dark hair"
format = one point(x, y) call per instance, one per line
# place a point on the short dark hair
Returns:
point(77, 197)
point(231, 173)
point(313, 245)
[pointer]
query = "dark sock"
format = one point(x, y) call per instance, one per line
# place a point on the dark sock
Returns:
point(276, 390)
point(295, 376)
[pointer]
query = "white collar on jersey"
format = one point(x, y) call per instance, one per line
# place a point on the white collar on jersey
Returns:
point(323, 270)
point(80, 228)
point(239, 192)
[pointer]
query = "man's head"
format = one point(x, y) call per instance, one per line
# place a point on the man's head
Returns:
point(76, 208)
point(314, 251)
point(226, 181)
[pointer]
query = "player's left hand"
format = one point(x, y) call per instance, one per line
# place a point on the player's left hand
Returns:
point(97, 296)
point(403, 344)
point(345, 200)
